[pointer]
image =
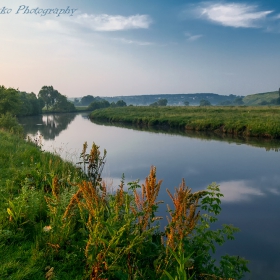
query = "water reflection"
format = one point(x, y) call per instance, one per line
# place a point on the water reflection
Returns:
point(50, 125)
point(242, 191)
point(238, 191)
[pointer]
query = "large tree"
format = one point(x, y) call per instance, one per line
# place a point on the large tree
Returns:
point(55, 100)
point(48, 95)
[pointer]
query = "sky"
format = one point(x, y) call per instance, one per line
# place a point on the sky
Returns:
point(133, 47)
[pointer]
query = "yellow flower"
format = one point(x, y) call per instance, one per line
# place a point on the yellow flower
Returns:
point(47, 228)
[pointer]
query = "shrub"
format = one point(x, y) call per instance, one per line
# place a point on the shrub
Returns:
point(10, 123)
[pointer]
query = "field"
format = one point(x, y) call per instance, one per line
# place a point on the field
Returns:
point(247, 121)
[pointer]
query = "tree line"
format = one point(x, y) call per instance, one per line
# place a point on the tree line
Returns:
point(21, 103)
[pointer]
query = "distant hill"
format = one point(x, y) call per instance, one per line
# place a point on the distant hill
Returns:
point(173, 99)
point(194, 99)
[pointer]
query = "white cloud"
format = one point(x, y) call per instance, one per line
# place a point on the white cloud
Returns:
point(191, 37)
point(233, 14)
point(106, 22)
point(133, 42)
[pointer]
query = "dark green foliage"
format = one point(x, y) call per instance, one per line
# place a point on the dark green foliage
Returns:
point(19, 103)
point(98, 105)
point(30, 104)
point(48, 94)
point(86, 100)
point(63, 105)
point(204, 102)
point(9, 101)
point(120, 103)
point(160, 102)
point(238, 101)
point(55, 101)
point(276, 101)
point(9, 123)
point(186, 103)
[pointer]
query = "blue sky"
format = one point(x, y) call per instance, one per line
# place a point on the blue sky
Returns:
point(120, 47)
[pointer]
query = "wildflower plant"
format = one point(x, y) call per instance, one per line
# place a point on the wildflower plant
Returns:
point(122, 231)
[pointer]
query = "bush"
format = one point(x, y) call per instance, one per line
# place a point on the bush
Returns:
point(10, 123)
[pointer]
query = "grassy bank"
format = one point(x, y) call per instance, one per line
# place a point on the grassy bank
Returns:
point(26, 177)
point(246, 121)
point(57, 222)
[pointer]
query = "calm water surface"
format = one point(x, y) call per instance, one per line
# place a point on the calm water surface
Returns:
point(248, 172)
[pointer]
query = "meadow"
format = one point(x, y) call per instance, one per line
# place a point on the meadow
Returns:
point(238, 120)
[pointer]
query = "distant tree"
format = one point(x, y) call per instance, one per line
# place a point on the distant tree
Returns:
point(86, 100)
point(186, 103)
point(238, 101)
point(204, 102)
point(155, 104)
point(162, 102)
point(264, 102)
point(76, 102)
point(98, 105)
point(120, 103)
point(9, 101)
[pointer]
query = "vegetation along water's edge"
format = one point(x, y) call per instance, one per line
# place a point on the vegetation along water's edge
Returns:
point(58, 221)
point(242, 120)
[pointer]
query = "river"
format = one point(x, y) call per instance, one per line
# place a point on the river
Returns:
point(247, 170)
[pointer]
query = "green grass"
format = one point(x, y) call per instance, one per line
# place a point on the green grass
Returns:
point(247, 121)
point(24, 163)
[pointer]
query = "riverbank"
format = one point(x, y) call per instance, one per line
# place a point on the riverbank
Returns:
point(78, 109)
point(246, 121)
point(26, 179)
point(49, 219)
